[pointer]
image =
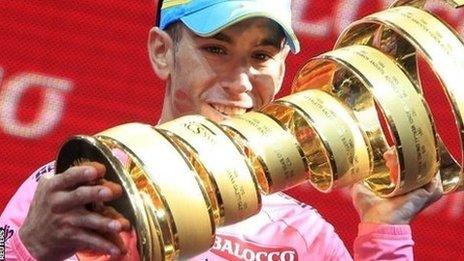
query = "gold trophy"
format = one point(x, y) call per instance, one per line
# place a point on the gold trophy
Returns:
point(184, 178)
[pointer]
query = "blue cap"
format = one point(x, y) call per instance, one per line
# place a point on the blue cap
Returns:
point(208, 17)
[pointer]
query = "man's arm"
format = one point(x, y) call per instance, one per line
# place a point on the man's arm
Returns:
point(384, 231)
point(48, 218)
point(15, 212)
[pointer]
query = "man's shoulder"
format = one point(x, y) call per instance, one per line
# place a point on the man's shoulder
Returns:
point(17, 208)
point(282, 206)
point(48, 168)
point(25, 192)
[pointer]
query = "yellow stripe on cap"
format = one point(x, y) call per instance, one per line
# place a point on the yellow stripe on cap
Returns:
point(171, 3)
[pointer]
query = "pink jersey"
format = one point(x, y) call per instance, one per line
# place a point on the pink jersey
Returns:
point(284, 229)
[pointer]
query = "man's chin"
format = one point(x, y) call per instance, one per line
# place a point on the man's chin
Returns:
point(216, 117)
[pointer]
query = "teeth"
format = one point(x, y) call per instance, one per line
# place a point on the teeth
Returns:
point(229, 110)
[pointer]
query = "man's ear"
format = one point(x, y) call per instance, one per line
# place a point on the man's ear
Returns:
point(160, 49)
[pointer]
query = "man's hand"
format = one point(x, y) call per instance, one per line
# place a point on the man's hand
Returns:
point(58, 223)
point(396, 210)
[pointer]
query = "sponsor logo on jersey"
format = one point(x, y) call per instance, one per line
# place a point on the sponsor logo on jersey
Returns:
point(49, 168)
point(5, 234)
point(234, 249)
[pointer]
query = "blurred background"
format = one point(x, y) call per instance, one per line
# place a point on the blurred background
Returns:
point(79, 67)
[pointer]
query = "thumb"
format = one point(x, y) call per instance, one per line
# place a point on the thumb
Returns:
point(429, 193)
point(435, 189)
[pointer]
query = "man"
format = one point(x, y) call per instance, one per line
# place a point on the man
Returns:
point(219, 58)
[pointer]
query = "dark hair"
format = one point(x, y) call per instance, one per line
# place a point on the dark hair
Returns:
point(158, 12)
point(173, 30)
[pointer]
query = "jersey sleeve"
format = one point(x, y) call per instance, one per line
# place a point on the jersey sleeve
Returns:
point(383, 242)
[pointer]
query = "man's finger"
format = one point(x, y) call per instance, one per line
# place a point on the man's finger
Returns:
point(112, 213)
point(66, 200)
point(75, 176)
point(88, 241)
point(435, 189)
point(94, 221)
point(114, 187)
point(98, 166)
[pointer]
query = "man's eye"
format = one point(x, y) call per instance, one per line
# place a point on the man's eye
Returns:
point(215, 50)
point(262, 57)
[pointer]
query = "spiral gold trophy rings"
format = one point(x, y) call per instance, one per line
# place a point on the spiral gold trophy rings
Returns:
point(276, 156)
point(237, 192)
point(349, 108)
point(334, 147)
point(360, 77)
point(405, 31)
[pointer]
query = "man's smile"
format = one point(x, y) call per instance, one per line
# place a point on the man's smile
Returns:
point(229, 110)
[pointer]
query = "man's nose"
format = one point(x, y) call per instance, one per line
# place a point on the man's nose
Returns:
point(239, 84)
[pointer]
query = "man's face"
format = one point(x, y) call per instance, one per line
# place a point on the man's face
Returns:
point(239, 69)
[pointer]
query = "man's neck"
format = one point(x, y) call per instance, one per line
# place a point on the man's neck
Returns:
point(166, 113)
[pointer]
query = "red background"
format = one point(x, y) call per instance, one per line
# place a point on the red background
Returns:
point(98, 50)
